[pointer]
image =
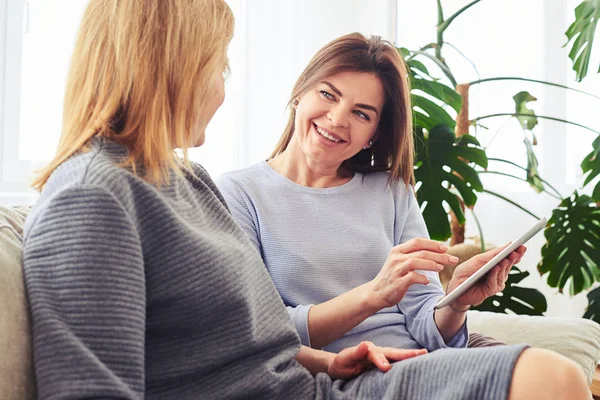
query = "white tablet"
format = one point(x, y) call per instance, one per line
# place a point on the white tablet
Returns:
point(481, 272)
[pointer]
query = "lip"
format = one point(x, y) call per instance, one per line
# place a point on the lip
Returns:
point(315, 126)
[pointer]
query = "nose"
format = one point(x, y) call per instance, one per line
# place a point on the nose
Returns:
point(337, 116)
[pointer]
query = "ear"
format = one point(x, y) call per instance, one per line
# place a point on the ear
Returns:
point(374, 138)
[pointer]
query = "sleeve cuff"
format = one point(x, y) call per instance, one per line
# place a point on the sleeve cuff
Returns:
point(299, 316)
point(461, 339)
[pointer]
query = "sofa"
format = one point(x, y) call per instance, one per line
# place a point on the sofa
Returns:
point(576, 338)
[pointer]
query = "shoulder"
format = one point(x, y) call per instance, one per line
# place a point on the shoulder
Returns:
point(243, 176)
point(380, 181)
point(245, 180)
point(88, 182)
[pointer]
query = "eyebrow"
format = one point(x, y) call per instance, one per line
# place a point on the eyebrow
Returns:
point(360, 105)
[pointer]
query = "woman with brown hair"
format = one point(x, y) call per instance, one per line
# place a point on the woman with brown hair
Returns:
point(333, 214)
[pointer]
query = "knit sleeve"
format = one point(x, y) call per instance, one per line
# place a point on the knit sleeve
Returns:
point(84, 274)
point(418, 303)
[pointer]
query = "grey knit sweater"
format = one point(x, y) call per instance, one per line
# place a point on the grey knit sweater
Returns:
point(137, 292)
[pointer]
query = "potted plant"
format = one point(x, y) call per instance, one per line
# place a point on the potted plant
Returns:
point(450, 160)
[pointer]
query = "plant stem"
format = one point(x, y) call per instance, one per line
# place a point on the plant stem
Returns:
point(441, 65)
point(535, 116)
point(465, 57)
point(525, 169)
point(428, 46)
point(479, 229)
point(511, 202)
point(516, 78)
point(443, 25)
point(440, 32)
point(520, 179)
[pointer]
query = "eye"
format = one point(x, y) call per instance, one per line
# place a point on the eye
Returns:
point(326, 94)
point(362, 115)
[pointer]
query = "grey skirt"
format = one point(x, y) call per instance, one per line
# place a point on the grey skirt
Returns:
point(446, 374)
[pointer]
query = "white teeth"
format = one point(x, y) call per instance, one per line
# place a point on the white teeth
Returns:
point(327, 135)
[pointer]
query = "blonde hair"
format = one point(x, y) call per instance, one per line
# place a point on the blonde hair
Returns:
point(394, 149)
point(139, 75)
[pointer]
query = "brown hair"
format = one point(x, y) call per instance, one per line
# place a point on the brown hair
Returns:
point(139, 75)
point(393, 150)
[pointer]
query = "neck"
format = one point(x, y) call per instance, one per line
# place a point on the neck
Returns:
point(299, 168)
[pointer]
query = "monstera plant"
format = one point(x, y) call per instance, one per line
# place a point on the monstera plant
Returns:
point(449, 162)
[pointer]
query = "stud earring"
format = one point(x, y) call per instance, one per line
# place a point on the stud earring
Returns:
point(369, 145)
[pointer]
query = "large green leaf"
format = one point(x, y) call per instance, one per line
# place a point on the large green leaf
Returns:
point(429, 110)
point(439, 91)
point(593, 309)
point(438, 155)
point(518, 299)
point(572, 250)
point(591, 164)
point(583, 31)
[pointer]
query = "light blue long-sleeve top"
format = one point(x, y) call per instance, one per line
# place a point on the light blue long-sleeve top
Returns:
point(318, 243)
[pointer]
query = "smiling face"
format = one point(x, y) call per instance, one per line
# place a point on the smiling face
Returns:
point(338, 117)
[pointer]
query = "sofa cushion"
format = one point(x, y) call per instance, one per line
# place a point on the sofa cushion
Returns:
point(16, 363)
point(575, 338)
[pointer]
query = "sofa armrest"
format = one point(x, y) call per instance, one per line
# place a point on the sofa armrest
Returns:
point(575, 338)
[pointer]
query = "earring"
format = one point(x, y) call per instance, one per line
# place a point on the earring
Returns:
point(295, 102)
point(370, 144)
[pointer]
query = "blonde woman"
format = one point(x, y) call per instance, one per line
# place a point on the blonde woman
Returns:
point(333, 214)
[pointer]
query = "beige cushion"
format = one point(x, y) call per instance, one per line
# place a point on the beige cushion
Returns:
point(16, 365)
point(575, 338)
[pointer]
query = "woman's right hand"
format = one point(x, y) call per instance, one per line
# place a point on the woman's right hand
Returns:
point(398, 273)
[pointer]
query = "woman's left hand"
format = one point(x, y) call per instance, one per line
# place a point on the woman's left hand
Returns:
point(352, 361)
point(494, 281)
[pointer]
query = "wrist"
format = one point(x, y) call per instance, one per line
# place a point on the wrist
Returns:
point(326, 359)
point(370, 301)
point(315, 360)
point(459, 308)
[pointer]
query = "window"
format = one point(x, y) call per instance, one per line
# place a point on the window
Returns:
point(38, 44)
point(39, 37)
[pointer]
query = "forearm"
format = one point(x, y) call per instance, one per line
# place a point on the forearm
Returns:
point(314, 360)
point(449, 321)
point(333, 319)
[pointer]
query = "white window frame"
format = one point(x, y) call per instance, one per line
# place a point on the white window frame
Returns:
point(15, 175)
